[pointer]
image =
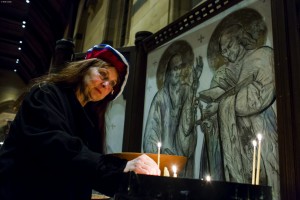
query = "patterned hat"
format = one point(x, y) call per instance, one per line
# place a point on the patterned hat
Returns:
point(110, 55)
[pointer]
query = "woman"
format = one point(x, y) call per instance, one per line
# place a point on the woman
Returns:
point(54, 149)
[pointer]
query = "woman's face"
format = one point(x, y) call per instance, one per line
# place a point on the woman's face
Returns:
point(99, 82)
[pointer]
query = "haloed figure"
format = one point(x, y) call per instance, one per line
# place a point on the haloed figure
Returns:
point(171, 115)
point(245, 112)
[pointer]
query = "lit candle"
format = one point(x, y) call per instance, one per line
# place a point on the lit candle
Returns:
point(254, 161)
point(208, 178)
point(259, 137)
point(158, 154)
point(166, 172)
point(174, 168)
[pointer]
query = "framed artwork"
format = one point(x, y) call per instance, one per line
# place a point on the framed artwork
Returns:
point(211, 90)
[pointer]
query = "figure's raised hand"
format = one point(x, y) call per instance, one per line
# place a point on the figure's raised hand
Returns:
point(199, 67)
point(197, 71)
point(143, 165)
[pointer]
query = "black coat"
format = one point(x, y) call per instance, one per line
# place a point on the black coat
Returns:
point(48, 152)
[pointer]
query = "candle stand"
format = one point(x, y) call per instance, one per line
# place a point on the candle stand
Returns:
point(145, 187)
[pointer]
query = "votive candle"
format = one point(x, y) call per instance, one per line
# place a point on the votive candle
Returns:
point(259, 138)
point(254, 143)
point(174, 168)
point(158, 154)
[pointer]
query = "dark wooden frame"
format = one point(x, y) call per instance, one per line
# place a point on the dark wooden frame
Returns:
point(135, 96)
point(287, 61)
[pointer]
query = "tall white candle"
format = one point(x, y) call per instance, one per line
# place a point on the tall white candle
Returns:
point(174, 168)
point(254, 143)
point(158, 154)
point(259, 137)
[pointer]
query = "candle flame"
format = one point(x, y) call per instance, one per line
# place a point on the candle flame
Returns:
point(259, 136)
point(208, 178)
point(174, 168)
point(159, 144)
point(254, 143)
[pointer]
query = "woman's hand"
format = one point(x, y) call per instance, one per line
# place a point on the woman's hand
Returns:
point(143, 165)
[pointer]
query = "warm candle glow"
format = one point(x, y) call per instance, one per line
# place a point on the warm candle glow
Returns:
point(158, 144)
point(254, 143)
point(166, 172)
point(208, 178)
point(174, 168)
point(259, 137)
